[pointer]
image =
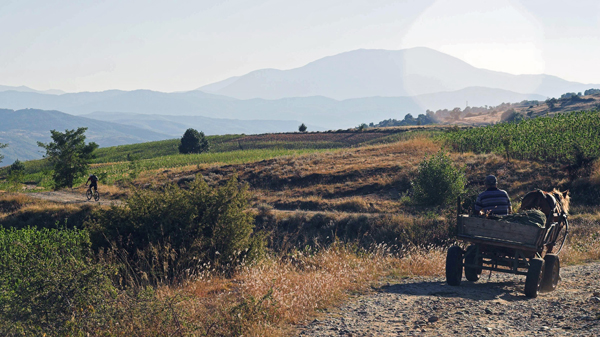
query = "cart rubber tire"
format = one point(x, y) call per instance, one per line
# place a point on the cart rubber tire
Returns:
point(535, 274)
point(454, 265)
point(551, 272)
point(472, 274)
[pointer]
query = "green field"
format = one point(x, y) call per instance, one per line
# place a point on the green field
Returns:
point(566, 138)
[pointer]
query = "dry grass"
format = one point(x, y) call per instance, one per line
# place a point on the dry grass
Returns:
point(370, 179)
point(583, 243)
point(278, 293)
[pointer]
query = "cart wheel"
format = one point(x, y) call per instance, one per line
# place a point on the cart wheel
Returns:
point(551, 272)
point(535, 275)
point(454, 265)
point(472, 273)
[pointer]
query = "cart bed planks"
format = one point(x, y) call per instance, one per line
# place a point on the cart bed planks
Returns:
point(499, 231)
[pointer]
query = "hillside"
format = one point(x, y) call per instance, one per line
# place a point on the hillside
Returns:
point(483, 115)
point(390, 73)
point(316, 111)
point(175, 126)
point(22, 129)
point(332, 223)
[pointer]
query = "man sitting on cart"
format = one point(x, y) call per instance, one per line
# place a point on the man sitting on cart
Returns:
point(493, 200)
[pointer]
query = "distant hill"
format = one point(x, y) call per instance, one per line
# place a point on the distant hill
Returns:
point(368, 73)
point(318, 111)
point(28, 89)
point(175, 126)
point(22, 130)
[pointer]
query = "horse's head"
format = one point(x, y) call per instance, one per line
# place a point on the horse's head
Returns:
point(563, 198)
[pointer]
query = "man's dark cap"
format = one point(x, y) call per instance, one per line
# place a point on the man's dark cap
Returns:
point(491, 180)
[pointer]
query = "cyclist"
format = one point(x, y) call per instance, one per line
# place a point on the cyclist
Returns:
point(93, 180)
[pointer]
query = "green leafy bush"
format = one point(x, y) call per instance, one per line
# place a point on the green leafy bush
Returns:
point(168, 234)
point(438, 181)
point(48, 282)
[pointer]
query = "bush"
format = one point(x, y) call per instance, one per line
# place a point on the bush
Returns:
point(48, 282)
point(302, 128)
point(168, 234)
point(438, 181)
point(193, 142)
point(511, 116)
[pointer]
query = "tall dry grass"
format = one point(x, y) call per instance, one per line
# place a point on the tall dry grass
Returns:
point(583, 244)
point(269, 298)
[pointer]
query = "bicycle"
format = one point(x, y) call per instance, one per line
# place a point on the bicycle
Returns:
point(89, 194)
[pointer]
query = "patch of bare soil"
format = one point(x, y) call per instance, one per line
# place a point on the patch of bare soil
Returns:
point(494, 306)
point(71, 197)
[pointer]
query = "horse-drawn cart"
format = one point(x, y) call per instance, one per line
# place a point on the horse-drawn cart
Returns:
point(508, 247)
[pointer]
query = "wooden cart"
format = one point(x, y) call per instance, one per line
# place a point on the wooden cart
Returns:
point(508, 248)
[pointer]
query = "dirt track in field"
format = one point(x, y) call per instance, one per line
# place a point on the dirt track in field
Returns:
point(489, 307)
point(71, 197)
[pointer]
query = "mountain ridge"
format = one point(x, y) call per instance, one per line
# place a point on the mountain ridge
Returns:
point(390, 73)
point(23, 88)
point(318, 110)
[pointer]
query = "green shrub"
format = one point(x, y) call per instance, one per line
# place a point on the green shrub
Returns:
point(48, 282)
point(438, 181)
point(168, 234)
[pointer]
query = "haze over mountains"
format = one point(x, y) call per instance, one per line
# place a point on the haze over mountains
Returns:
point(23, 88)
point(316, 110)
point(367, 73)
point(22, 130)
point(175, 126)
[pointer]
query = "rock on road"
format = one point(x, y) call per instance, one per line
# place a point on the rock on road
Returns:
point(490, 307)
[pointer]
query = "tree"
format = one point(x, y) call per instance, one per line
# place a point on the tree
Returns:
point(193, 142)
point(551, 103)
point(69, 155)
point(16, 171)
point(1, 147)
point(302, 128)
point(455, 114)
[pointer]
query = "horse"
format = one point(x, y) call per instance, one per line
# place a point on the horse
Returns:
point(550, 203)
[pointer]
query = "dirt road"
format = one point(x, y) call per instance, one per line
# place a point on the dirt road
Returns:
point(489, 307)
point(70, 197)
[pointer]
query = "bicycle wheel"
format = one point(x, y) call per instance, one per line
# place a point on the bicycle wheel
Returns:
point(88, 194)
point(96, 196)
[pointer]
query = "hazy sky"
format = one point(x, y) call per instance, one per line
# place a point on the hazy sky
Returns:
point(182, 44)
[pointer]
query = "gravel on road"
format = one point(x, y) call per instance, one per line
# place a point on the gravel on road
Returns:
point(493, 306)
